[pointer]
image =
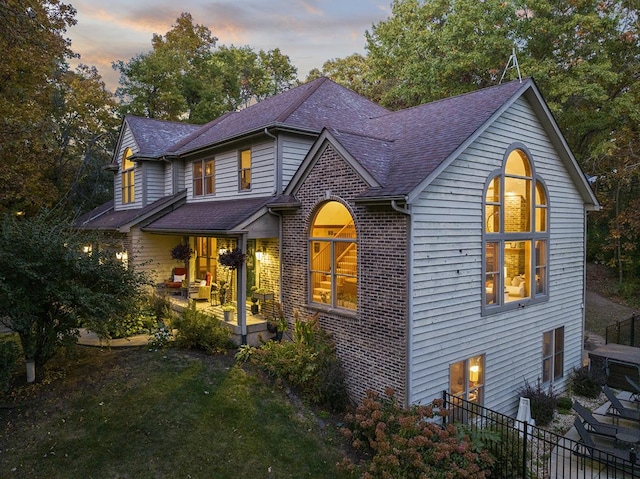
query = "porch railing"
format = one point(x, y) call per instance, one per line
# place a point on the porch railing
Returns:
point(525, 451)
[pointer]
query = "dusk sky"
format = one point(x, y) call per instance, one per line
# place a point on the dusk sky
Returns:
point(308, 31)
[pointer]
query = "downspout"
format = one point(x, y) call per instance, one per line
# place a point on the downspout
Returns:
point(279, 216)
point(277, 187)
point(406, 211)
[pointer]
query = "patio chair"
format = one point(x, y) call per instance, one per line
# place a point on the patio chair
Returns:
point(586, 448)
point(593, 426)
point(635, 394)
point(617, 410)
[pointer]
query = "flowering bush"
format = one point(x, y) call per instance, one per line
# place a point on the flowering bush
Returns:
point(405, 442)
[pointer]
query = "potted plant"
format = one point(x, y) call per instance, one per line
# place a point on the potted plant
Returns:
point(223, 287)
point(254, 301)
point(228, 310)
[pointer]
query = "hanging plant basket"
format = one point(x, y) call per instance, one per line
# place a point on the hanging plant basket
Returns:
point(232, 259)
point(181, 252)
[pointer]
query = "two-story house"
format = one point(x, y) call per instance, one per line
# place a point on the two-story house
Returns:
point(442, 245)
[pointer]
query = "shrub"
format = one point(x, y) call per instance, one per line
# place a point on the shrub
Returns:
point(197, 330)
point(543, 402)
point(307, 363)
point(9, 354)
point(408, 443)
point(583, 383)
point(564, 404)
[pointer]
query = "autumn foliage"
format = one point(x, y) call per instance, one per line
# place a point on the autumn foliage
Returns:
point(410, 442)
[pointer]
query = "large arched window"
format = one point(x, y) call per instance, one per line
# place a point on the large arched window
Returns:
point(128, 177)
point(333, 254)
point(516, 235)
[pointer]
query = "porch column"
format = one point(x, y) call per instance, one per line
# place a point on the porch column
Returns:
point(241, 292)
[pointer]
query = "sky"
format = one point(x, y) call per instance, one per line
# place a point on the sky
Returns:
point(310, 32)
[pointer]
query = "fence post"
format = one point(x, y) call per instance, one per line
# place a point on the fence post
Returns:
point(525, 438)
point(445, 406)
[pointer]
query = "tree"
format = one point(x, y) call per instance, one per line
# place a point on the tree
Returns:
point(50, 285)
point(428, 50)
point(353, 72)
point(53, 119)
point(185, 78)
point(584, 56)
point(84, 131)
point(34, 53)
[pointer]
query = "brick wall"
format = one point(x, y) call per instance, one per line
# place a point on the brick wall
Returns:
point(371, 343)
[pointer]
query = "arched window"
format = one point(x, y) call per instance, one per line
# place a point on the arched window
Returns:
point(516, 234)
point(333, 253)
point(128, 177)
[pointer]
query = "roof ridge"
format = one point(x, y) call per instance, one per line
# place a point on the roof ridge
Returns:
point(303, 98)
point(361, 134)
point(145, 118)
point(200, 131)
point(451, 98)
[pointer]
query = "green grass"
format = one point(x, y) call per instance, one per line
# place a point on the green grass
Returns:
point(139, 414)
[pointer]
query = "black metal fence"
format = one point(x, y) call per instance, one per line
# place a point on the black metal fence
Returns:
point(625, 332)
point(524, 451)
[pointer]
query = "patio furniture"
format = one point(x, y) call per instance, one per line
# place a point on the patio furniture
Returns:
point(174, 283)
point(617, 410)
point(593, 426)
point(635, 394)
point(586, 448)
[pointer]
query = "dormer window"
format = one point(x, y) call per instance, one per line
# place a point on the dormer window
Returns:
point(128, 178)
point(244, 171)
point(204, 178)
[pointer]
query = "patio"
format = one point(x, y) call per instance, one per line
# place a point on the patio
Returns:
point(563, 465)
point(256, 323)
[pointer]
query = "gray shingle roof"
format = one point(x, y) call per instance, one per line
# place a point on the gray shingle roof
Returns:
point(312, 106)
point(211, 216)
point(400, 149)
point(154, 137)
point(105, 218)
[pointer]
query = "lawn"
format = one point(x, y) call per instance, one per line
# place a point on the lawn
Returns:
point(133, 413)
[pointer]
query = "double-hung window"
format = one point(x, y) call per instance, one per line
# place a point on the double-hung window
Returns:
point(516, 235)
point(553, 355)
point(244, 170)
point(128, 177)
point(203, 177)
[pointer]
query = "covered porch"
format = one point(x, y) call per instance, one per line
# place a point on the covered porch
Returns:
point(256, 323)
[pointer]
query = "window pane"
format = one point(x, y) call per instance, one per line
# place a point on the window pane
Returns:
point(197, 170)
point(491, 276)
point(245, 170)
point(558, 366)
point(197, 187)
point(456, 379)
point(546, 370)
point(492, 213)
point(346, 268)
point(518, 164)
point(493, 191)
point(517, 269)
point(209, 185)
point(541, 267)
point(559, 340)
point(547, 344)
point(517, 206)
